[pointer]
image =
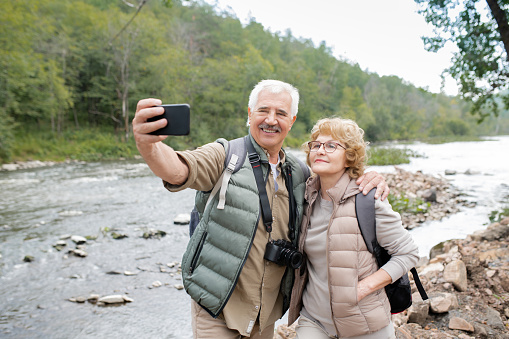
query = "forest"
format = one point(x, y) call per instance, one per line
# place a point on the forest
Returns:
point(72, 72)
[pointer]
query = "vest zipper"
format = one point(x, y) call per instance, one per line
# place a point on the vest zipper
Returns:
point(336, 206)
point(197, 253)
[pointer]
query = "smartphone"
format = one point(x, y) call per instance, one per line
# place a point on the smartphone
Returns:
point(178, 117)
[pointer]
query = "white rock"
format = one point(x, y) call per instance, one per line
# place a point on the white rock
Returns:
point(182, 219)
point(78, 239)
point(127, 299)
point(112, 299)
point(79, 253)
point(157, 283)
point(70, 213)
point(178, 286)
point(93, 298)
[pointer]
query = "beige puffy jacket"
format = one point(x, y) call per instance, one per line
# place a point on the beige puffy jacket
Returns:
point(349, 261)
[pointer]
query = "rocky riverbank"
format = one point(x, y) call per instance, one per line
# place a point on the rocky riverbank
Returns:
point(423, 197)
point(467, 282)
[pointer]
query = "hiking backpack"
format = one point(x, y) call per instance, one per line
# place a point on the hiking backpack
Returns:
point(399, 292)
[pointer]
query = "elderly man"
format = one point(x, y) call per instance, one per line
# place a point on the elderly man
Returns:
point(236, 292)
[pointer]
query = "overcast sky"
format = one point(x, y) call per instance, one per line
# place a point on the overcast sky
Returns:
point(382, 36)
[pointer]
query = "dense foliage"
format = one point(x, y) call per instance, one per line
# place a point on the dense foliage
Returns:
point(480, 31)
point(64, 73)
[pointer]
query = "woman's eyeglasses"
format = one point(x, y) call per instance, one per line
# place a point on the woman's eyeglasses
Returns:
point(328, 146)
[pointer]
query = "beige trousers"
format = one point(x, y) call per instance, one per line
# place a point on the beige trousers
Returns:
point(207, 327)
point(308, 329)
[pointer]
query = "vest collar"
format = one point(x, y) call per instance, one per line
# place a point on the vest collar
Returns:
point(263, 153)
point(344, 188)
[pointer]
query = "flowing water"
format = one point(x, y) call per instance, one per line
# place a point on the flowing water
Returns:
point(39, 206)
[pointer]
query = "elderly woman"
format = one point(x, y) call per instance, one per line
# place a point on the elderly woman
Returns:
point(339, 292)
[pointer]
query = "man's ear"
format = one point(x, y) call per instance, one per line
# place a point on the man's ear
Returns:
point(293, 121)
point(249, 115)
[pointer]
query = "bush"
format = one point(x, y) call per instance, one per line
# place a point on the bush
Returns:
point(382, 156)
point(403, 204)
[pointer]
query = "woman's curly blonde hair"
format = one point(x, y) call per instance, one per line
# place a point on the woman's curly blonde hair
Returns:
point(350, 135)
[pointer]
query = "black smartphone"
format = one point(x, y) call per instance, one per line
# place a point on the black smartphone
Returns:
point(178, 117)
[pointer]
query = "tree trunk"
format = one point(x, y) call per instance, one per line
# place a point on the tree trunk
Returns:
point(503, 26)
point(125, 90)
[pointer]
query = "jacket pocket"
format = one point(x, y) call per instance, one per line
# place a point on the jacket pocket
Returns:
point(196, 255)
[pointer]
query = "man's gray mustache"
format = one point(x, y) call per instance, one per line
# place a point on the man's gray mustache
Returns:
point(274, 128)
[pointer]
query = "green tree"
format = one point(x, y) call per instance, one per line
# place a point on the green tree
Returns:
point(480, 31)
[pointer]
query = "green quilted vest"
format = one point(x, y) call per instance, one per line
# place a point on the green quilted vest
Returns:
point(221, 242)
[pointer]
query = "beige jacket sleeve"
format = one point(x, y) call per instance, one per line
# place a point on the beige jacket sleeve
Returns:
point(206, 163)
point(398, 242)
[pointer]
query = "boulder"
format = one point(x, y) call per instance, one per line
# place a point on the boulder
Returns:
point(442, 302)
point(456, 273)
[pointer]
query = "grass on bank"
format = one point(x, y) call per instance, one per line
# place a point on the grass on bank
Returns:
point(84, 145)
point(496, 216)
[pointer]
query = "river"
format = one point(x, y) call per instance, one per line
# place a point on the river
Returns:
point(39, 206)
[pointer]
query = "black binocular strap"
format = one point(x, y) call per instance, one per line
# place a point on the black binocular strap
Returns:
point(255, 161)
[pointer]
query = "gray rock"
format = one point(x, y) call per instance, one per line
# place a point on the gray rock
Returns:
point(151, 233)
point(493, 232)
point(81, 299)
point(492, 318)
point(430, 195)
point(418, 312)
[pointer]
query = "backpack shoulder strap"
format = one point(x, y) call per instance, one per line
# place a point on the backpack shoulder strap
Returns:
point(236, 151)
point(365, 211)
point(237, 147)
